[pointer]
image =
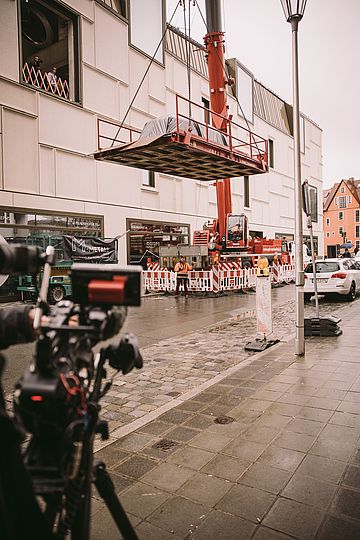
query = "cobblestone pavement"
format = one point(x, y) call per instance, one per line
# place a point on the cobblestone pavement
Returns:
point(270, 452)
point(175, 366)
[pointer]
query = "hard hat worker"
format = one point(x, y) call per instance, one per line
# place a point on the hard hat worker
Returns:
point(182, 268)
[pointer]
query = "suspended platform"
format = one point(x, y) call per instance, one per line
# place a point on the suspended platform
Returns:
point(182, 146)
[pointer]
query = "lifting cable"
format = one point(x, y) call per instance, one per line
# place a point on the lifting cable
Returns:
point(188, 51)
point(226, 73)
point(146, 71)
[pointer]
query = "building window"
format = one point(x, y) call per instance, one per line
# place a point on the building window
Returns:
point(118, 6)
point(246, 192)
point(357, 231)
point(327, 235)
point(342, 202)
point(357, 216)
point(357, 244)
point(271, 153)
point(144, 16)
point(341, 215)
point(206, 105)
point(245, 92)
point(336, 201)
point(148, 178)
point(341, 230)
point(342, 190)
point(349, 199)
point(302, 134)
point(50, 48)
point(327, 222)
point(313, 203)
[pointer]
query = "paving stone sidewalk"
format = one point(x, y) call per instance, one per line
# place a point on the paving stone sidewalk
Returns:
point(286, 465)
point(177, 365)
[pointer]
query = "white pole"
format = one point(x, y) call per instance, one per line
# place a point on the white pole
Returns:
point(299, 260)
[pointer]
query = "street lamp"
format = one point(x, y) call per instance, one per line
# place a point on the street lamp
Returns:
point(294, 11)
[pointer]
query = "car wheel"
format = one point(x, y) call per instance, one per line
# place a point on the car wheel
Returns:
point(307, 297)
point(352, 293)
point(56, 294)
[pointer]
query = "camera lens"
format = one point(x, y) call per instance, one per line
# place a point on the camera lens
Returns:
point(19, 258)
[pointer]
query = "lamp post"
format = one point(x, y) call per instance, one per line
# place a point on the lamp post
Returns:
point(294, 11)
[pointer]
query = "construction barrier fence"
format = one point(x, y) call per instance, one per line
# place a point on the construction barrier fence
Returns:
point(215, 280)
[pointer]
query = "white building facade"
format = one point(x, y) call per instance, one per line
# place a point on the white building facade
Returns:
point(50, 182)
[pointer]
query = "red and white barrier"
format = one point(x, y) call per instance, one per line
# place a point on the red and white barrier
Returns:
point(215, 280)
point(200, 280)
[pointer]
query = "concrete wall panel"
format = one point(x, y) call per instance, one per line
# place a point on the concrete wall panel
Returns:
point(9, 46)
point(47, 171)
point(75, 177)
point(118, 184)
point(88, 41)
point(111, 40)
point(20, 147)
point(66, 127)
point(17, 97)
point(94, 100)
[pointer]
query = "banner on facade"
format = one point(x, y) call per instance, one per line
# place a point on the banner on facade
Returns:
point(90, 249)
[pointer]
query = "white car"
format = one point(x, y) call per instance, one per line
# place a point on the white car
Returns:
point(340, 276)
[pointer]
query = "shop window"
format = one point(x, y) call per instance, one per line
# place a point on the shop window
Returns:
point(49, 48)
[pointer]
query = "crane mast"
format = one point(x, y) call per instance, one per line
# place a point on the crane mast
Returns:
point(215, 46)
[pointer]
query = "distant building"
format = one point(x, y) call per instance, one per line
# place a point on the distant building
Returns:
point(341, 215)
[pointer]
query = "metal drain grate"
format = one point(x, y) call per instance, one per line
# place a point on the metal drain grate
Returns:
point(165, 444)
point(224, 420)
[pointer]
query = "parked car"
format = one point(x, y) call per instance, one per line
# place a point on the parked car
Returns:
point(340, 276)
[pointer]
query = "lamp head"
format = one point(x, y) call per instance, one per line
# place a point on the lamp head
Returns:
point(293, 9)
point(262, 266)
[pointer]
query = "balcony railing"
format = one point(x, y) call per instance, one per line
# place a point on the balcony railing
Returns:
point(45, 81)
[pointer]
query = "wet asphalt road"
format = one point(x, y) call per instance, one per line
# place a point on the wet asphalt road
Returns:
point(161, 317)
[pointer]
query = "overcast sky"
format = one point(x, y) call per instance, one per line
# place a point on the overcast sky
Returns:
point(329, 55)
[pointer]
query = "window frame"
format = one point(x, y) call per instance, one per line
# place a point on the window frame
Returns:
point(357, 231)
point(61, 8)
point(341, 215)
point(342, 201)
point(113, 11)
point(271, 144)
point(151, 177)
point(357, 216)
point(327, 222)
point(246, 191)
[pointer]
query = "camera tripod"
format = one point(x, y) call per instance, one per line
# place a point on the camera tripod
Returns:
point(68, 503)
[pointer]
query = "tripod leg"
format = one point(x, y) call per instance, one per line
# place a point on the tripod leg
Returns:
point(106, 490)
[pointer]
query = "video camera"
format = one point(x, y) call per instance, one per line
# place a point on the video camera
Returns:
point(57, 399)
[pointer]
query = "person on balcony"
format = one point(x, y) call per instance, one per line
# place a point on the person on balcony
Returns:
point(36, 63)
point(182, 268)
point(52, 79)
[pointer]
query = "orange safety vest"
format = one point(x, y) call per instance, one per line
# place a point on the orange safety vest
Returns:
point(183, 268)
